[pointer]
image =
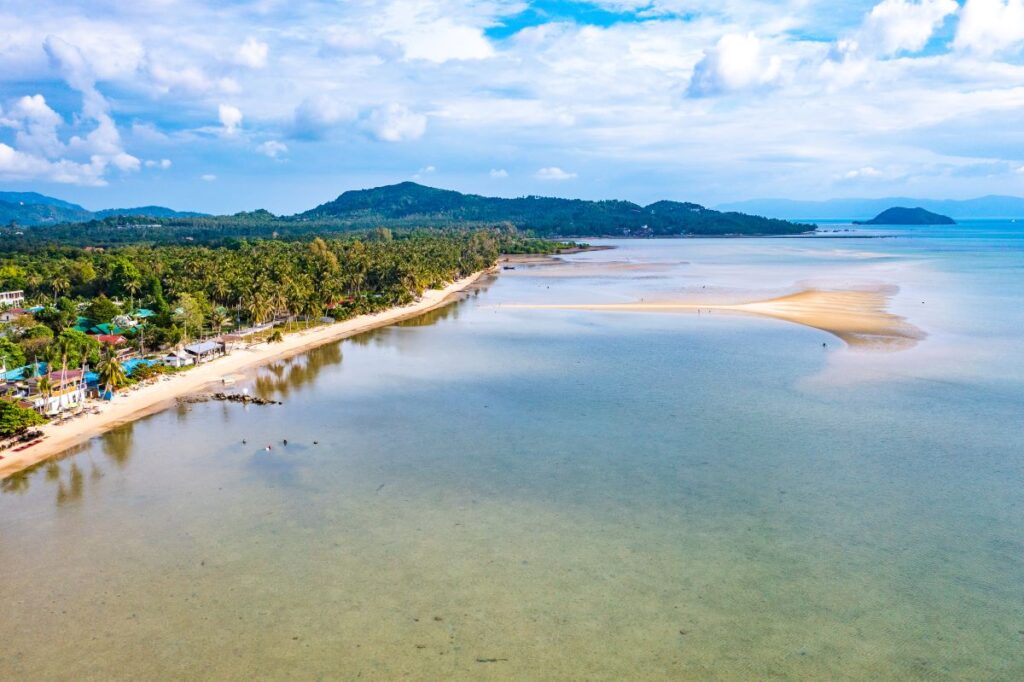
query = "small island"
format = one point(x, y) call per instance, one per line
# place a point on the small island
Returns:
point(907, 216)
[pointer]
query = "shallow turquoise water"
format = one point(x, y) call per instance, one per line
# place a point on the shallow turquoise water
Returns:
point(512, 493)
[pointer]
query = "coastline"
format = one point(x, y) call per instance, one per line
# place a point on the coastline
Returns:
point(152, 398)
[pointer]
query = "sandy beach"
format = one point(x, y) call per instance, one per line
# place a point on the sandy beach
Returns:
point(131, 405)
point(860, 317)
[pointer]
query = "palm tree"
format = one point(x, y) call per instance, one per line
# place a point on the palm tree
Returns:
point(45, 387)
point(133, 286)
point(58, 284)
point(112, 374)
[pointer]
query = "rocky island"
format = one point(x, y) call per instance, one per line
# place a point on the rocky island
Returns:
point(907, 216)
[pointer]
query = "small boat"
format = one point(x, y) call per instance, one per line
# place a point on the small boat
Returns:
point(508, 267)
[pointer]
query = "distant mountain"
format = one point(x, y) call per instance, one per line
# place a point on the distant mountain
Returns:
point(863, 209)
point(31, 208)
point(899, 215)
point(411, 203)
point(147, 211)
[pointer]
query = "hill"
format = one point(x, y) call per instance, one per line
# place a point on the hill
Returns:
point(987, 207)
point(146, 211)
point(899, 215)
point(411, 203)
point(30, 209)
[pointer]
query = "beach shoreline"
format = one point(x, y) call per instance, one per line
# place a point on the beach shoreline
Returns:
point(155, 397)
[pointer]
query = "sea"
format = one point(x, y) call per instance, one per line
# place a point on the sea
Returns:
point(500, 492)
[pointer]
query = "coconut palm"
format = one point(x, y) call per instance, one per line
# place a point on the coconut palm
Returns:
point(45, 387)
point(112, 374)
point(59, 284)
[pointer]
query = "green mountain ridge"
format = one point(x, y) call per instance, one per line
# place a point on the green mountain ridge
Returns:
point(409, 202)
point(31, 209)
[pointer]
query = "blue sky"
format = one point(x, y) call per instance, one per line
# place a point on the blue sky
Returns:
point(238, 105)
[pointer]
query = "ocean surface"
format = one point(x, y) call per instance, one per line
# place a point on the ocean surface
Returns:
point(491, 492)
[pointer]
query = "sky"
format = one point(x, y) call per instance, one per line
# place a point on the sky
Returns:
point(243, 104)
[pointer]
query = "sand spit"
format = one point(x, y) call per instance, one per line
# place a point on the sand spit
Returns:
point(860, 317)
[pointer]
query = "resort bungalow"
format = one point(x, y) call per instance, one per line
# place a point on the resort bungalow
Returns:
point(204, 351)
point(67, 390)
point(177, 358)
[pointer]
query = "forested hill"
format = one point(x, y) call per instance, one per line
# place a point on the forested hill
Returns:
point(409, 202)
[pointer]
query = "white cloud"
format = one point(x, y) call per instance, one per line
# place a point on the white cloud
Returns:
point(990, 26)
point(1019, 170)
point(499, 173)
point(207, 177)
point(396, 123)
point(862, 173)
point(252, 53)
point(162, 164)
point(40, 154)
point(735, 63)
point(903, 25)
point(553, 173)
point(272, 148)
point(438, 31)
point(17, 165)
point(316, 115)
point(230, 117)
point(36, 124)
point(345, 41)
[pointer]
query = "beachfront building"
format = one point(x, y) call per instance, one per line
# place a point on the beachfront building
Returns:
point(12, 298)
point(204, 351)
point(177, 359)
point(67, 390)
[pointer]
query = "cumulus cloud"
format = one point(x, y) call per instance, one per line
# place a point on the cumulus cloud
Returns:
point(17, 165)
point(499, 173)
point(230, 118)
point(207, 177)
point(272, 148)
point(318, 114)
point(990, 26)
point(735, 63)
point(895, 26)
point(36, 124)
point(162, 164)
point(39, 153)
point(553, 173)
point(395, 123)
point(252, 53)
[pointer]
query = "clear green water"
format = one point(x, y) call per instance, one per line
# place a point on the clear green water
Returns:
point(576, 495)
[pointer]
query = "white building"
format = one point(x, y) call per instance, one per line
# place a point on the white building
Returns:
point(177, 358)
point(12, 298)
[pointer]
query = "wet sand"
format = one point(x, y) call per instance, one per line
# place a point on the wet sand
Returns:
point(859, 317)
point(135, 404)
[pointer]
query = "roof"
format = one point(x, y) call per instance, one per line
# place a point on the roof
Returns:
point(203, 347)
point(112, 339)
point(71, 376)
